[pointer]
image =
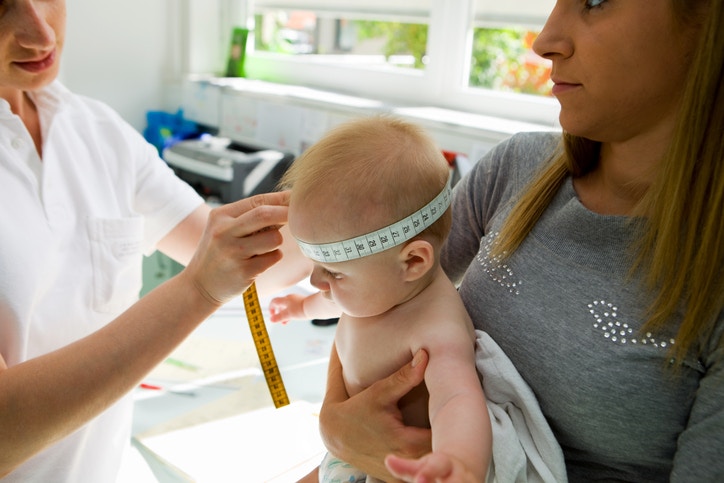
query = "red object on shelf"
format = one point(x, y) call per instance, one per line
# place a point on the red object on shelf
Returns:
point(450, 157)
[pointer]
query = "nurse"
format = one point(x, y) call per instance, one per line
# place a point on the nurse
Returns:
point(83, 198)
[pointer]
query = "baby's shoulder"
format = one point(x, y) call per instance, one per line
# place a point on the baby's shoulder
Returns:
point(445, 320)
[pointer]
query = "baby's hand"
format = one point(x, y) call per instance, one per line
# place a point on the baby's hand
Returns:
point(434, 467)
point(289, 307)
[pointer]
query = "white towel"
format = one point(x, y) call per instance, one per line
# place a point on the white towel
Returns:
point(524, 448)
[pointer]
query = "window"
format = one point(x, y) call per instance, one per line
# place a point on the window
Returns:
point(346, 37)
point(382, 35)
point(501, 55)
point(502, 59)
point(471, 55)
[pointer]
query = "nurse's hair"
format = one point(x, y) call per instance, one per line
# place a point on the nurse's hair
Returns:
point(374, 171)
point(680, 251)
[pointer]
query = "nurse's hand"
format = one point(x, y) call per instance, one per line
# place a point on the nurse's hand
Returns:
point(240, 241)
point(364, 428)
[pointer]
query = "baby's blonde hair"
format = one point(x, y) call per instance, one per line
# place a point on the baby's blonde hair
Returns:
point(375, 171)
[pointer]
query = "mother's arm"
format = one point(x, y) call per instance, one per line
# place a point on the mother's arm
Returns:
point(363, 429)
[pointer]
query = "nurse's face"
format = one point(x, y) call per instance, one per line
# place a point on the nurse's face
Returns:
point(31, 40)
point(618, 66)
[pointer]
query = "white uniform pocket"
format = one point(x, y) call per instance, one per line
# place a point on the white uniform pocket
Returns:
point(116, 254)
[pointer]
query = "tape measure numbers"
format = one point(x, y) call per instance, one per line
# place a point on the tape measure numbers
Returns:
point(384, 238)
point(263, 347)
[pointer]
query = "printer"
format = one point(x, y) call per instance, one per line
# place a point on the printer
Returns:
point(223, 171)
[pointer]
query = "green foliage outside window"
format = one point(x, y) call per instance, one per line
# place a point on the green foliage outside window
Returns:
point(501, 59)
point(402, 38)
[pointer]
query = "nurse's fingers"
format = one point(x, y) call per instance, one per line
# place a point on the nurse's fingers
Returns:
point(238, 208)
point(251, 215)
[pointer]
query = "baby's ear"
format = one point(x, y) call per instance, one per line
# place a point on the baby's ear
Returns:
point(418, 257)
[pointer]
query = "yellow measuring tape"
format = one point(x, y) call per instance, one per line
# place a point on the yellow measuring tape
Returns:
point(263, 347)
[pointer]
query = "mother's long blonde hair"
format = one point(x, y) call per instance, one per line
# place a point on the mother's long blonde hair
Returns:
point(681, 250)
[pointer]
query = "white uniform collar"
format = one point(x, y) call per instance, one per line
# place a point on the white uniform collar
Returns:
point(52, 97)
point(49, 99)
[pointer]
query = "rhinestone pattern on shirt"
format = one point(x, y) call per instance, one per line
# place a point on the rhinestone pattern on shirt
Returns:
point(500, 272)
point(605, 314)
point(607, 321)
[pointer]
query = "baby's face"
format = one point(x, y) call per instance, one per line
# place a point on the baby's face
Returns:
point(364, 287)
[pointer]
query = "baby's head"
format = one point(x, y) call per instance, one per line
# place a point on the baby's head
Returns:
point(360, 178)
point(365, 175)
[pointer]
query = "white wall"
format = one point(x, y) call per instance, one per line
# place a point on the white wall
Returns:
point(133, 54)
point(125, 53)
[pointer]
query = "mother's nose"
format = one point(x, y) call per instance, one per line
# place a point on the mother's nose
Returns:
point(554, 40)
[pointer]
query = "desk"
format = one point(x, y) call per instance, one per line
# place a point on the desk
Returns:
point(213, 420)
point(266, 445)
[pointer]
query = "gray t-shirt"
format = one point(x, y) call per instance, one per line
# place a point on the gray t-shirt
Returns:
point(568, 315)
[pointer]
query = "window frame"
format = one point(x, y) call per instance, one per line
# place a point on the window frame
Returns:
point(443, 83)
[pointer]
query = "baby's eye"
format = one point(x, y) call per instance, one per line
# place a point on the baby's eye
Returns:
point(334, 275)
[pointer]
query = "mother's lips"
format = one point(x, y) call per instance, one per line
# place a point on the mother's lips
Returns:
point(560, 86)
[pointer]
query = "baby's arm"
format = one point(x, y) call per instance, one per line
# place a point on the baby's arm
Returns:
point(461, 431)
point(302, 307)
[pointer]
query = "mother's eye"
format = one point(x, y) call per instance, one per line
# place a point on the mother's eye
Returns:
point(591, 4)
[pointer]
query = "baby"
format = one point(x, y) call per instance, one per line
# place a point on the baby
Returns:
point(370, 207)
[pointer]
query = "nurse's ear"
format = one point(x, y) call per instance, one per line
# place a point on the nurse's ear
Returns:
point(417, 258)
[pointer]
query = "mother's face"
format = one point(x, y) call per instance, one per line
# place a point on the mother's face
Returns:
point(618, 66)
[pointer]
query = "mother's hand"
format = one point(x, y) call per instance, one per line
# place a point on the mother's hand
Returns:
point(364, 428)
